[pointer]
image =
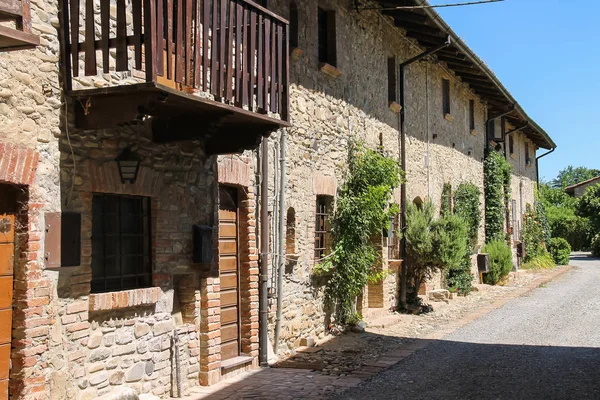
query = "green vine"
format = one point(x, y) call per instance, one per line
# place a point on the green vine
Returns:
point(497, 177)
point(467, 206)
point(362, 211)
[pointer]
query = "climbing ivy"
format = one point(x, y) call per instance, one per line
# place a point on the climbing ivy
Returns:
point(497, 177)
point(362, 211)
point(467, 206)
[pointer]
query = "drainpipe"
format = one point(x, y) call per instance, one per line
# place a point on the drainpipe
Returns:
point(263, 338)
point(537, 171)
point(403, 163)
point(281, 259)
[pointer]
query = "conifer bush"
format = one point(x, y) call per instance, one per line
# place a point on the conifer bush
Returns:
point(560, 250)
point(500, 261)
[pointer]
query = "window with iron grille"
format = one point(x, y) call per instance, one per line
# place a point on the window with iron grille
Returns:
point(322, 227)
point(121, 252)
point(446, 96)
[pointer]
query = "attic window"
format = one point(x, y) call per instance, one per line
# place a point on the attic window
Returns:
point(446, 96)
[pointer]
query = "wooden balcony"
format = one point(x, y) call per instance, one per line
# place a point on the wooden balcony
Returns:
point(213, 69)
point(15, 31)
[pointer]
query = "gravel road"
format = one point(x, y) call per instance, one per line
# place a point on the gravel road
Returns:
point(545, 345)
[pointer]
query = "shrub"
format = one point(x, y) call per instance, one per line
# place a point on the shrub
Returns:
point(589, 206)
point(467, 206)
point(543, 261)
point(500, 261)
point(446, 207)
point(461, 278)
point(596, 246)
point(533, 235)
point(451, 249)
point(560, 250)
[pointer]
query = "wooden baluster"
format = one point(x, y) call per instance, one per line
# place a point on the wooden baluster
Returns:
point(267, 65)
point(222, 44)
point(205, 43)
point(90, 39)
point(230, 28)
point(259, 63)
point(160, 38)
point(273, 75)
point(198, 46)
point(238, 52)
point(121, 36)
point(245, 56)
point(75, 36)
point(285, 93)
point(251, 58)
point(170, 28)
point(214, 46)
point(105, 32)
point(150, 39)
point(136, 8)
point(65, 47)
point(280, 39)
point(188, 42)
point(179, 43)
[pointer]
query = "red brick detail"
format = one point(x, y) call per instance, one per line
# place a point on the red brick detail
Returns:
point(124, 299)
point(105, 178)
point(324, 185)
point(233, 171)
point(17, 164)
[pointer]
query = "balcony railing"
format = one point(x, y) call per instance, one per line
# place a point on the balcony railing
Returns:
point(232, 51)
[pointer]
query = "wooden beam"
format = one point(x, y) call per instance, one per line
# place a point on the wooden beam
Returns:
point(405, 16)
point(420, 28)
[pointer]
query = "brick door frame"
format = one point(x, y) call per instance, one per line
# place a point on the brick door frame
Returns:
point(31, 289)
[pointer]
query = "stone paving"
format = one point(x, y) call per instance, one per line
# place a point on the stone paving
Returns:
point(312, 374)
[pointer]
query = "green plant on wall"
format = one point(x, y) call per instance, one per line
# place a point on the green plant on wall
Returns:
point(468, 206)
point(362, 211)
point(446, 206)
point(497, 178)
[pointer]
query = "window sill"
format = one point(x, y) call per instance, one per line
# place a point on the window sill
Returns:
point(330, 70)
point(473, 132)
point(513, 156)
point(395, 107)
point(124, 299)
point(394, 264)
point(448, 117)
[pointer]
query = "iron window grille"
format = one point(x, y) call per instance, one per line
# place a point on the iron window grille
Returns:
point(121, 243)
point(322, 228)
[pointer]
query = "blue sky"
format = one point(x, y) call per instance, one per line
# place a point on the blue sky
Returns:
point(546, 53)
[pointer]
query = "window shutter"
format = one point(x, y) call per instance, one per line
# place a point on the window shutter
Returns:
point(70, 239)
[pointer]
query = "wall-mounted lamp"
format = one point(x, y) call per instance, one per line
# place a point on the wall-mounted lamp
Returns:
point(129, 165)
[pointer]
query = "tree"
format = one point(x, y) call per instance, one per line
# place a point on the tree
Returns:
point(589, 206)
point(573, 175)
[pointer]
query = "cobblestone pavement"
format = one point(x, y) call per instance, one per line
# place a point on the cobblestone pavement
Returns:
point(544, 345)
point(345, 361)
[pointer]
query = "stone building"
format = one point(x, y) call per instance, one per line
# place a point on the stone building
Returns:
point(130, 187)
point(578, 189)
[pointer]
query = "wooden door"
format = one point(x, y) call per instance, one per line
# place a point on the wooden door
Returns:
point(7, 251)
point(229, 273)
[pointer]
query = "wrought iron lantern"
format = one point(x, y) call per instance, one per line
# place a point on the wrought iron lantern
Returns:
point(129, 165)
